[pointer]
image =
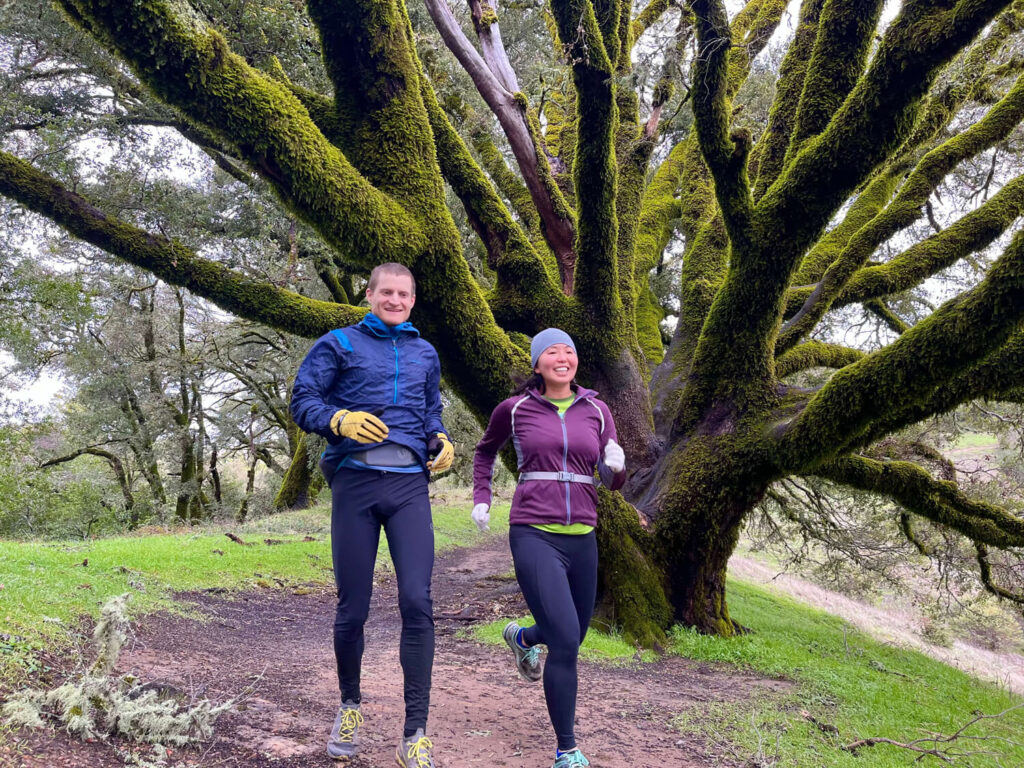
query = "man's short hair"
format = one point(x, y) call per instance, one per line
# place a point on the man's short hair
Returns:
point(391, 268)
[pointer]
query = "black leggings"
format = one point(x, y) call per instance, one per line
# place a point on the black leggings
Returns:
point(558, 575)
point(363, 502)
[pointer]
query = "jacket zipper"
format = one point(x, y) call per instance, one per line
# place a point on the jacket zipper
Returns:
point(394, 343)
point(565, 467)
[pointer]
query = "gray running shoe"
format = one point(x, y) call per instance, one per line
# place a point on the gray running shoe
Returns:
point(571, 759)
point(414, 752)
point(344, 742)
point(527, 659)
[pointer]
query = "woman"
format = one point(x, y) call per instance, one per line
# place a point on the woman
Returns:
point(560, 432)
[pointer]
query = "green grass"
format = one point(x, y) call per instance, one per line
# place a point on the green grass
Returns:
point(976, 440)
point(838, 676)
point(45, 590)
point(841, 678)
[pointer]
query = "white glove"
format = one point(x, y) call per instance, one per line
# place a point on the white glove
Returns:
point(482, 516)
point(614, 456)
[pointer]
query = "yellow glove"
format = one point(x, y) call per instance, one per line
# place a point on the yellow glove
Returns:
point(360, 426)
point(444, 453)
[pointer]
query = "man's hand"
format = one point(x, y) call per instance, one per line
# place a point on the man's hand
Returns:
point(360, 426)
point(482, 516)
point(614, 456)
point(441, 448)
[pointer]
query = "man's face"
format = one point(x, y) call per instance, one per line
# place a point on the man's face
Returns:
point(392, 299)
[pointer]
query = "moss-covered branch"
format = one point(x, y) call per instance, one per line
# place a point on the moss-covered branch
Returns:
point(725, 154)
point(529, 299)
point(770, 152)
point(906, 208)
point(881, 310)
point(168, 259)
point(844, 36)
point(973, 232)
point(993, 378)
point(650, 14)
point(958, 335)
point(192, 68)
point(939, 501)
point(594, 169)
point(815, 354)
point(872, 123)
point(962, 80)
point(370, 56)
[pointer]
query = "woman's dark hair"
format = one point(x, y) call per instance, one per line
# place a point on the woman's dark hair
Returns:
point(534, 381)
point(520, 383)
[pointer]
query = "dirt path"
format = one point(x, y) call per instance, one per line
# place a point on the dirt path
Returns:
point(482, 713)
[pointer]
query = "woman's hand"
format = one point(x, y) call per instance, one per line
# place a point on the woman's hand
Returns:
point(614, 456)
point(482, 517)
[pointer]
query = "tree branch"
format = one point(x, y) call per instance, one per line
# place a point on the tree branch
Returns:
point(770, 152)
point(906, 208)
point(485, 22)
point(872, 122)
point(650, 14)
point(170, 260)
point(558, 221)
point(961, 332)
point(815, 354)
point(940, 501)
point(972, 233)
point(192, 68)
point(725, 154)
point(594, 168)
point(841, 47)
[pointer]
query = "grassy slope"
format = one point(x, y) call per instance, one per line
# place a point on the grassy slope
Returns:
point(841, 677)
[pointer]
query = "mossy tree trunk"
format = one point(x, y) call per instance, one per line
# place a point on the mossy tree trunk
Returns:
point(710, 420)
point(294, 492)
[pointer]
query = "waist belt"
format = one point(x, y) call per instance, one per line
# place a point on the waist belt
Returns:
point(563, 477)
point(387, 455)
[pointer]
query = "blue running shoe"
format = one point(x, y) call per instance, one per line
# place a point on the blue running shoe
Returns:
point(527, 659)
point(571, 759)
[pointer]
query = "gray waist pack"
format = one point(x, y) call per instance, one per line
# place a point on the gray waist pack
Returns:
point(387, 455)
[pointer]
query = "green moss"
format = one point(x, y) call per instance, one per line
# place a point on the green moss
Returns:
point(815, 354)
point(633, 595)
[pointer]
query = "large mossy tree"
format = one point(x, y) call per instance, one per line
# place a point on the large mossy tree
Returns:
point(778, 232)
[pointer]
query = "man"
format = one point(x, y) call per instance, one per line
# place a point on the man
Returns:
point(372, 389)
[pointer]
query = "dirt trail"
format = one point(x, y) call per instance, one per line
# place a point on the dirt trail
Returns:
point(482, 713)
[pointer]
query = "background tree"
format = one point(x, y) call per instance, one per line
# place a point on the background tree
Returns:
point(576, 178)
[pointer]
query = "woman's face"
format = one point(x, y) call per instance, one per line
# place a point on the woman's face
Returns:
point(557, 365)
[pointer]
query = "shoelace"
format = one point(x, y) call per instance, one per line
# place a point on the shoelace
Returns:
point(532, 655)
point(573, 758)
point(419, 751)
point(350, 720)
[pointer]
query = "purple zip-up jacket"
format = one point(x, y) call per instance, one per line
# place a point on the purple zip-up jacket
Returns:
point(547, 442)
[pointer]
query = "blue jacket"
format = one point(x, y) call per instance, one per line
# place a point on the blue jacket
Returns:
point(370, 366)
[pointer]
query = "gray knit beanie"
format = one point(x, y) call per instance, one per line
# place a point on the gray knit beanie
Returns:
point(545, 339)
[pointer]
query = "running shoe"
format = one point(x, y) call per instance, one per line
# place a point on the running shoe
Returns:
point(414, 751)
point(527, 659)
point(344, 742)
point(571, 759)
